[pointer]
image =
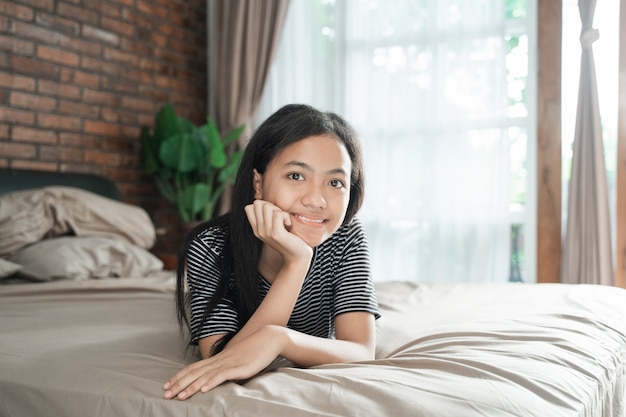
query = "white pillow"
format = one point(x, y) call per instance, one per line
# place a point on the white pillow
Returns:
point(82, 258)
point(8, 268)
point(28, 216)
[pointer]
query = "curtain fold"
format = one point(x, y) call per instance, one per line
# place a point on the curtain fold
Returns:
point(243, 37)
point(587, 256)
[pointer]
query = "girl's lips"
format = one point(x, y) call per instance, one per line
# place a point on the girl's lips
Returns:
point(305, 219)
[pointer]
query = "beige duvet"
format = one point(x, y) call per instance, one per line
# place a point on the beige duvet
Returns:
point(105, 347)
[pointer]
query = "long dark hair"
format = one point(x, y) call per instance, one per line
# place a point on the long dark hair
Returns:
point(240, 260)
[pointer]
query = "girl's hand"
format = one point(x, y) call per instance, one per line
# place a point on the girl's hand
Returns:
point(271, 225)
point(240, 361)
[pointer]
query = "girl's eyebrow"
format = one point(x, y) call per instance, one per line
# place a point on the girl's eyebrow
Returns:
point(307, 167)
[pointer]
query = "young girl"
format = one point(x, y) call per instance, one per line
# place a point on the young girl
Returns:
point(285, 273)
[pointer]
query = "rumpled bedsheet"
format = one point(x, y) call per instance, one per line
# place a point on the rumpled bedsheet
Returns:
point(105, 348)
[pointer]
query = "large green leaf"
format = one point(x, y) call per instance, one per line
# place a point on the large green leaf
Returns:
point(233, 135)
point(193, 199)
point(215, 149)
point(228, 173)
point(166, 188)
point(180, 152)
point(166, 123)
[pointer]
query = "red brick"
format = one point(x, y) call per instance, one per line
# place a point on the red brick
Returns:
point(138, 20)
point(72, 76)
point(57, 56)
point(54, 121)
point(129, 118)
point(152, 38)
point(17, 82)
point(151, 10)
point(131, 131)
point(99, 97)
point(78, 109)
point(33, 31)
point(16, 45)
point(61, 154)
point(80, 45)
point(80, 14)
point(105, 8)
point(102, 158)
point(118, 85)
point(18, 150)
point(170, 83)
point(4, 131)
point(136, 47)
point(16, 10)
point(26, 134)
point(58, 89)
point(40, 4)
point(79, 140)
point(23, 65)
point(58, 24)
point(138, 104)
point(117, 26)
point(119, 145)
point(110, 115)
point(99, 66)
point(31, 101)
point(154, 94)
point(133, 74)
point(100, 35)
point(34, 165)
point(24, 117)
point(119, 56)
point(101, 128)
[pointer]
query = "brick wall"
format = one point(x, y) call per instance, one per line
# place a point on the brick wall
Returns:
point(78, 78)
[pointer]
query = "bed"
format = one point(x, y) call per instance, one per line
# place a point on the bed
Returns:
point(103, 342)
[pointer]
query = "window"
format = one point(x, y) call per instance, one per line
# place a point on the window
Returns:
point(439, 92)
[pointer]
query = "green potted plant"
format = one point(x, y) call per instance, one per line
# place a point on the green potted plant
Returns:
point(189, 163)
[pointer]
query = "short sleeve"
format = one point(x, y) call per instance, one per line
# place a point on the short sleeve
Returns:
point(203, 277)
point(353, 286)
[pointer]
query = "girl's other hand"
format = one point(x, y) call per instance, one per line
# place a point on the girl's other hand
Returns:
point(240, 361)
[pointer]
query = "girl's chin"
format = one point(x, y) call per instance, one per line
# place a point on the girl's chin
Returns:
point(314, 241)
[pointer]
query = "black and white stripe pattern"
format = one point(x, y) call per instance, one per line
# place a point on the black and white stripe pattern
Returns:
point(339, 281)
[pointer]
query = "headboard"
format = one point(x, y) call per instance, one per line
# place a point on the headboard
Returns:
point(16, 180)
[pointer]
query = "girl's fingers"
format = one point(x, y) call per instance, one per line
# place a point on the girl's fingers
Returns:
point(266, 219)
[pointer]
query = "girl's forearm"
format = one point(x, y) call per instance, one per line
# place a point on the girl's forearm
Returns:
point(278, 304)
point(305, 350)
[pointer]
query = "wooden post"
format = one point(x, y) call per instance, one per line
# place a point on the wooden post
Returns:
point(549, 28)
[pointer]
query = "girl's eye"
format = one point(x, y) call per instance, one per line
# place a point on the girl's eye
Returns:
point(336, 183)
point(295, 176)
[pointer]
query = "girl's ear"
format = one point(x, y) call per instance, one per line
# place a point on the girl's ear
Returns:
point(256, 184)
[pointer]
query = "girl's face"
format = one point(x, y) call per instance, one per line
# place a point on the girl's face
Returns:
point(310, 180)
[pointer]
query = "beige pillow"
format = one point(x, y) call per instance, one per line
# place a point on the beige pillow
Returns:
point(32, 215)
point(8, 268)
point(82, 258)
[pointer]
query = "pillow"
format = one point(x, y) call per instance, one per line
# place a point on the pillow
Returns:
point(82, 258)
point(31, 215)
point(8, 268)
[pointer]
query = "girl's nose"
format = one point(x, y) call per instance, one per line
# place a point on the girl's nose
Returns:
point(314, 197)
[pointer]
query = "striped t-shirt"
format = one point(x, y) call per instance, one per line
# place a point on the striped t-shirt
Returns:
point(338, 281)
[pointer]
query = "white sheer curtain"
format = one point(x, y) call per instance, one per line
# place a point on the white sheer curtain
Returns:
point(425, 85)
